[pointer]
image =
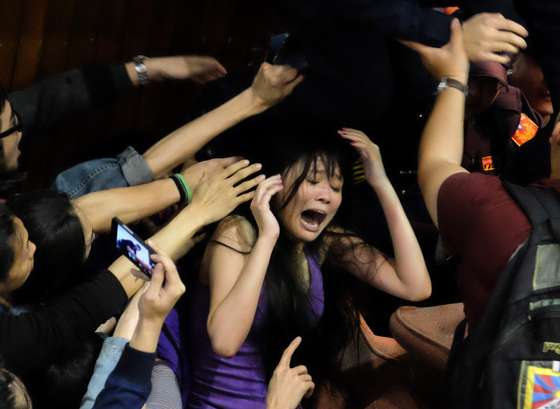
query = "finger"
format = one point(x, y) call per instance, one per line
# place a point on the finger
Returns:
point(299, 79)
point(245, 197)
point(300, 370)
point(172, 278)
point(493, 57)
point(233, 168)
point(356, 133)
point(289, 352)
point(504, 47)
point(225, 162)
point(512, 26)
point(270, 191)
point(456, 39)
point(306, 378)
point(249, 184)
point(511, 38)
point(156, 281)
point(418, 47)
point(243, 173)
point(310, 389)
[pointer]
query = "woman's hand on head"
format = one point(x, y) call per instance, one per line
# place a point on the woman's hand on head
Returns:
point(369, 153)
point(260, 207)
point(218, 195)
point(273, 83)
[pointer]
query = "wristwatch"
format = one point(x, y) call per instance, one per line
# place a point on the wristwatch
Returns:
point(451, 83)
point(141, 70)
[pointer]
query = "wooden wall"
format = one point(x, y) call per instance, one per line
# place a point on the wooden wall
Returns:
point(42, 37)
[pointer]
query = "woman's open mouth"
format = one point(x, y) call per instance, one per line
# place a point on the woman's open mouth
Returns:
point(312, 219)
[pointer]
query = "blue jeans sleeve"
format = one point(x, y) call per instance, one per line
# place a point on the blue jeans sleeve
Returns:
point(127, 169)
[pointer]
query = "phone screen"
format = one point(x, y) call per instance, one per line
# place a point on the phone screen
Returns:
point(133, 247)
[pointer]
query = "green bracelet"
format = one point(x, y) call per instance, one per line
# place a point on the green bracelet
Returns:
point(187, 189)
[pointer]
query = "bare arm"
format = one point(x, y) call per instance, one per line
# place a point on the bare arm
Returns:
point(128, 203)
point(271, 85)
point(407, 277)
point(215, 198)
point(441, 147)
point(236, 279)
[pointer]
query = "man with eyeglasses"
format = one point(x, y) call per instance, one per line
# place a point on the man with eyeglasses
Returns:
point(10, 136)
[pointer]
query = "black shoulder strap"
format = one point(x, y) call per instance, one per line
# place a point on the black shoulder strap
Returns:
point(539, 205)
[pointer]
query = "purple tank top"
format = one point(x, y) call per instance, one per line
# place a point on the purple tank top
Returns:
point(237, 382)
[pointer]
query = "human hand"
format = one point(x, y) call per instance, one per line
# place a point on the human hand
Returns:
point(369, 153)
point(450, 61)
point(163, 291)
point(288, 386)
point(273, 83)
point(486, 35)
point(218, 195)
point(200, 69)
point(260, 207)
point(193, 172)
point(129, 318)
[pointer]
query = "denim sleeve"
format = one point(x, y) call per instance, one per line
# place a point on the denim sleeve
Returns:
point(110, 354)
point(127, 169)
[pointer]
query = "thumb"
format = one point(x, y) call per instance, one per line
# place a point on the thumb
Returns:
point(156, 281)
point(421, 49)
point(456, 38)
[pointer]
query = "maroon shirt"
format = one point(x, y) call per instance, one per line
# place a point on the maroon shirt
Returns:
point(483, 226)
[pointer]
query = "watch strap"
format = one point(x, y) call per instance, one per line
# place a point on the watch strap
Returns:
point(452, 83)
point(141, 70)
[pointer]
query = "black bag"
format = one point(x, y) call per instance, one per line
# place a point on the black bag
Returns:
point(511, 359)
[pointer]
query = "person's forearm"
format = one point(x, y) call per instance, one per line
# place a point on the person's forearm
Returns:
point(173, 240)
point(410, 266)
point(129, 203)
point(442, 139)
point(231, 321)
point(184, 142)
point(146, 336)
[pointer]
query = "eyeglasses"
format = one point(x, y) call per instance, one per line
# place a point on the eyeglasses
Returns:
point(16, 127)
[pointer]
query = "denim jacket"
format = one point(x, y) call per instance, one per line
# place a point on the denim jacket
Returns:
point(128, 169)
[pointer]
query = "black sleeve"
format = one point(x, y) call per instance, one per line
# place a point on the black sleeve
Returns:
point(543, 22)
point(44, 103)
point(403, 19)
point(130, 384)
point(33, 340)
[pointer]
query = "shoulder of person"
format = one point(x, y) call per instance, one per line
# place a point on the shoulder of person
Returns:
point(235, 232)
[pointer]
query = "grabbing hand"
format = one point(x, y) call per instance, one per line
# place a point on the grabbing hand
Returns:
point(218, 195)
point(260, 207)
point(273, 83)
point(164, 289)
point(200, 69)
point(486, 35)
point(210, 168)
point(369, 153)
point(448, 61)
point(288, 386)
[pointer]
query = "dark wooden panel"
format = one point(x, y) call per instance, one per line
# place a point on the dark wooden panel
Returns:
point(30, 43)
point(9, 39)
point(58, 31)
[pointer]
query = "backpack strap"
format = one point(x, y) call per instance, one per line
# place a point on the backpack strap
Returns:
point(540, 205)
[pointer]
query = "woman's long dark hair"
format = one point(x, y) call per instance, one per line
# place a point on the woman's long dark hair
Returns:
point(56, 230)
point(288, 304)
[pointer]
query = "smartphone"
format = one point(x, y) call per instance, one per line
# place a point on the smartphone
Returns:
point(133, 247)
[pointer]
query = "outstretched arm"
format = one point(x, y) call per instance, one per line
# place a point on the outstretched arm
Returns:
point(271, 85)
point(441, 146)
point(407, 277)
